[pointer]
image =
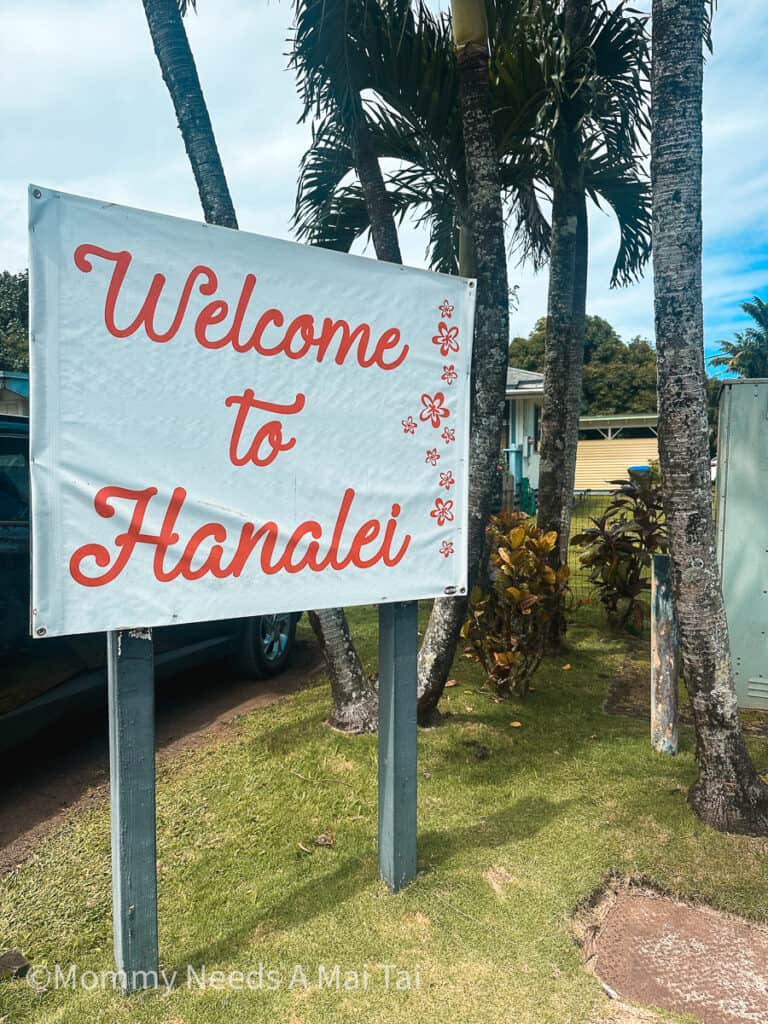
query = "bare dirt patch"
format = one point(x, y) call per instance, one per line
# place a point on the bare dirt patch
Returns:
point(499, 879)
point(659, 952)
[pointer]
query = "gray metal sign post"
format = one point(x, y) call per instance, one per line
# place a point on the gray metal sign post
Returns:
point(130, 667)
point(398, 648)
point(132, 780)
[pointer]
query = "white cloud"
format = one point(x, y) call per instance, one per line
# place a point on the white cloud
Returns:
point(83, 108)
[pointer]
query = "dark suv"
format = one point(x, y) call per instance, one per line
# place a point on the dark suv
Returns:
point(41, 680)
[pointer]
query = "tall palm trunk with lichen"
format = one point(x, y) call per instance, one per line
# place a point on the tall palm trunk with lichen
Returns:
point(566, 309)
point(563, 362)
point(485, 228)
point(180, 76)
point(728, 795)
point(377, 200)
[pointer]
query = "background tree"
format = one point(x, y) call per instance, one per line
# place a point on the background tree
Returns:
point(747, 356)
point(618, 377)
point(728, 794)
point(14, 316)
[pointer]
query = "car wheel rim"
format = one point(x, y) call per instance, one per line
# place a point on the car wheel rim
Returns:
point(274, 636)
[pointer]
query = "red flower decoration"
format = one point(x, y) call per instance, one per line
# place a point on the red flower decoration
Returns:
point(446, 480)
point(448, 435)
point(443, 511)
point(409, 425)
point(446, 338)
point(434, 409)
point(446, 548)
point(433, 456)
point(449, 374)
point(446, 309)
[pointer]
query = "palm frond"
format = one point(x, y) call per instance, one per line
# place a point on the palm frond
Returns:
point(329, 55)
point(323, 168)
point(629, 196)
point(758, 310)
point(443, 248)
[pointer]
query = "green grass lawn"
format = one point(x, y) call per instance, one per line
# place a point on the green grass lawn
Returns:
point(518, 826)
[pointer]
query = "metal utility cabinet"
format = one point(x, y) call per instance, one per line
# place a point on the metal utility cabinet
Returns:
point(742, 532)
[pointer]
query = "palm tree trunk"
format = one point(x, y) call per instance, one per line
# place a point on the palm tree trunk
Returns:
point(563, 363)
point(354, 694)
point(355, 698)
point(491, 336)
point(180, 76)
point(728, 795)
point(441, 638)
point(377, 199)
point(564, 342)
point(563, 374)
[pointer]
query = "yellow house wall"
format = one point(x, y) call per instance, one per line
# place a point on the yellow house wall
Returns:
point(598, 462)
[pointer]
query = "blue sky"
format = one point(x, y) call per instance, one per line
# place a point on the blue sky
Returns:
point(83, 109)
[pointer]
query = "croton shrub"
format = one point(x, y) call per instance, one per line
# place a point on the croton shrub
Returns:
point(505, 630)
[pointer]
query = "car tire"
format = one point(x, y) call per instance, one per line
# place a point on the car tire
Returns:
point(265, 644)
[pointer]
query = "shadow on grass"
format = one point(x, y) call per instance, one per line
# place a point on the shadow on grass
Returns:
point(519, 822)
point(326, 892)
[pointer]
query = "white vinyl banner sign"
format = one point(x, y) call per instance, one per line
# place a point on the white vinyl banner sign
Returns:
point(226, 425)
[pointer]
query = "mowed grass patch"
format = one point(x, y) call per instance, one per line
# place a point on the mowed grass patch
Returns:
point(518, 826)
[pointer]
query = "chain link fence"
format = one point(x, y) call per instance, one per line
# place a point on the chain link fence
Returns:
point(587, 505)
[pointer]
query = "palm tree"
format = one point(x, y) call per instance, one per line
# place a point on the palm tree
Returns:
point(330, 68)
point(410, 63)
point(596, 112)
point(177, 65)
point(331, 48)
point(355, 702)
point(747, 356)
point(728, 794)
point(413, 117)
point(482, 231)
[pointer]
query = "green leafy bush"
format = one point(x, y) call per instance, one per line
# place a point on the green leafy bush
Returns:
point(617, 548)
point(506, 627)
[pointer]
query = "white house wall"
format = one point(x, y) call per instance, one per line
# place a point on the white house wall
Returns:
point(522, 428)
